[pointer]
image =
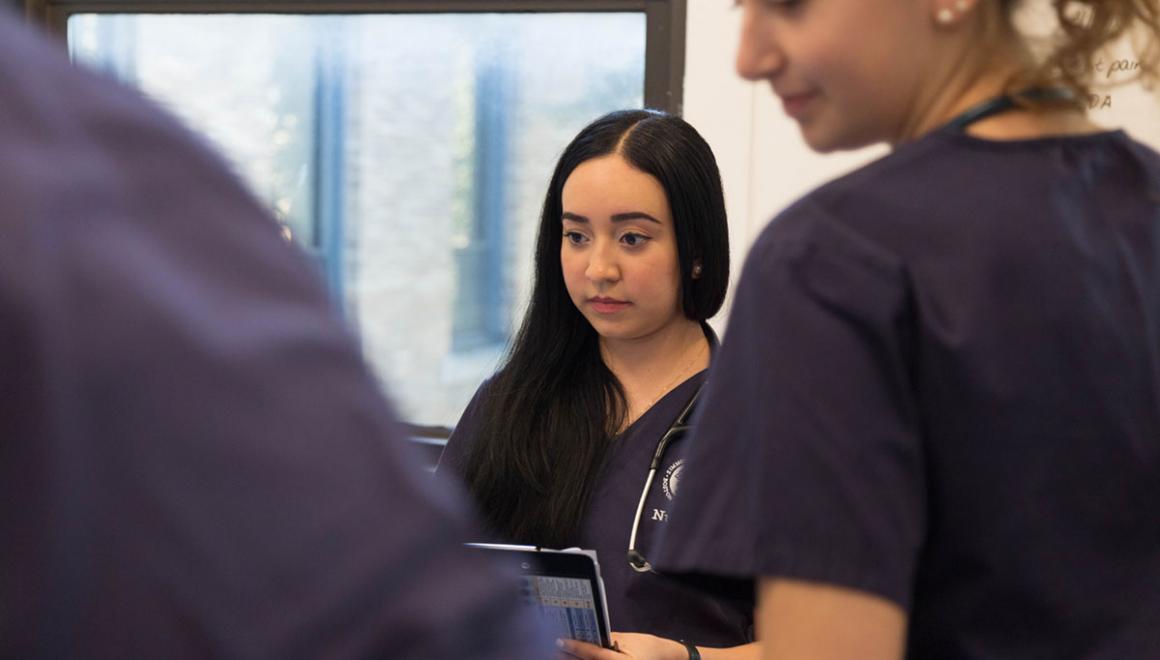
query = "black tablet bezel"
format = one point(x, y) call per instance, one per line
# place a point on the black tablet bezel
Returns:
point(559, 563)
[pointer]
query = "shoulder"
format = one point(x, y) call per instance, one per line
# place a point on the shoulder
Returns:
point(88, 151)
point(466, 431)
point(853, 213)
point(116, 208)
point(51, 104)
point(814, 236)
point(941, 196)
point(847, 245)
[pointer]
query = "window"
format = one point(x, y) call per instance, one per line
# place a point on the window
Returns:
point(405, 145)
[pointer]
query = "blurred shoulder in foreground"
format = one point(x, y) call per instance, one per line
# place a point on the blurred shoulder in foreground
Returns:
point(195, 461)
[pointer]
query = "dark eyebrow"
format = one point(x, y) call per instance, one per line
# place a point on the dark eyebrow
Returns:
point(619, 217)
point(634, 215)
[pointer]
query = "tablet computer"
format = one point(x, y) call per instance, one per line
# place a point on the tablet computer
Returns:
point(565, 588)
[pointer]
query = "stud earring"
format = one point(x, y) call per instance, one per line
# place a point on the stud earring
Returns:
point(945, 16)
point(696, 271)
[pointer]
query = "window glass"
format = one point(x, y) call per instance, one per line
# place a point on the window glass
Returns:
point(407, 153)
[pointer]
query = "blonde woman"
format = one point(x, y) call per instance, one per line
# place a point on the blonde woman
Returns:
point(938, 401)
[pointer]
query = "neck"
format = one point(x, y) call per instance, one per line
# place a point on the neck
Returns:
point(972, 74)
point(968, 76)
point(649, 367)
point(660, 349)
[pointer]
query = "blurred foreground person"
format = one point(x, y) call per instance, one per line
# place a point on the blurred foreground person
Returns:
point(938, 399)
point(194, 460)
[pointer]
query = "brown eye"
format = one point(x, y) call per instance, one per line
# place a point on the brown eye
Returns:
point(634, 240)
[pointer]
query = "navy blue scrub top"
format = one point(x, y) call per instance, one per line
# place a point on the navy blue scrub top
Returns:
point(941, 384)
point(641, 602)
point(195, 462)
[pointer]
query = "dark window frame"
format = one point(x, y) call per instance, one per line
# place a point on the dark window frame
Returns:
point(664, 32)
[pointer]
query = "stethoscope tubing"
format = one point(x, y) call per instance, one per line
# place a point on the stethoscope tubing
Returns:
point(679, 426)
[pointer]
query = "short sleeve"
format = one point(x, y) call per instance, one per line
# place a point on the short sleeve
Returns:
point(806, 446)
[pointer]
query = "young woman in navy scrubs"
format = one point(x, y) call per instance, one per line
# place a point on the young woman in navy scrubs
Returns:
point(938, 402)
point(632, 258)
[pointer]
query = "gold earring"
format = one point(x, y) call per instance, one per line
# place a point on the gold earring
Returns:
point(696, 270)
point(945, 16)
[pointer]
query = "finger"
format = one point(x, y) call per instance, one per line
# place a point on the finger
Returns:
point(571, 648)
point(583, 650)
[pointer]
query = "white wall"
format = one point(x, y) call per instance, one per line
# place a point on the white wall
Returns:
point(764, 162)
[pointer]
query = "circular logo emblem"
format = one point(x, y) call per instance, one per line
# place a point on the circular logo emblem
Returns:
point(673, 478)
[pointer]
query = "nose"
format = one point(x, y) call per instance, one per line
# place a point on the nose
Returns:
point(602, 263)
point(758, 57)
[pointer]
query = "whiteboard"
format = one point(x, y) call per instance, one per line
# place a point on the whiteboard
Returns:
point(1121, 101)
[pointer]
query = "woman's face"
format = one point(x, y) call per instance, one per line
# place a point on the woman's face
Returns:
point(619, 249)
point(849, 72)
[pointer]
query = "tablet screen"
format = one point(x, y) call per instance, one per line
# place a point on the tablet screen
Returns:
point(566, 603)
point(564, 587)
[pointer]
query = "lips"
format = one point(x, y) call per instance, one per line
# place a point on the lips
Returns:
point(795, 105)
point(603, 305)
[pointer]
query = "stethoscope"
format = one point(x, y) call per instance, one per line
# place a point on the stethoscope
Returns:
point(678, 428)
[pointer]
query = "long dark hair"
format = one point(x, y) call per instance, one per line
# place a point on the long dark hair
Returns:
point(550, 411)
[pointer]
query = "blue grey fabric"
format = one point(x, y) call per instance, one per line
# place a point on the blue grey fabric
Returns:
point(940, 383)
point(194, 460)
